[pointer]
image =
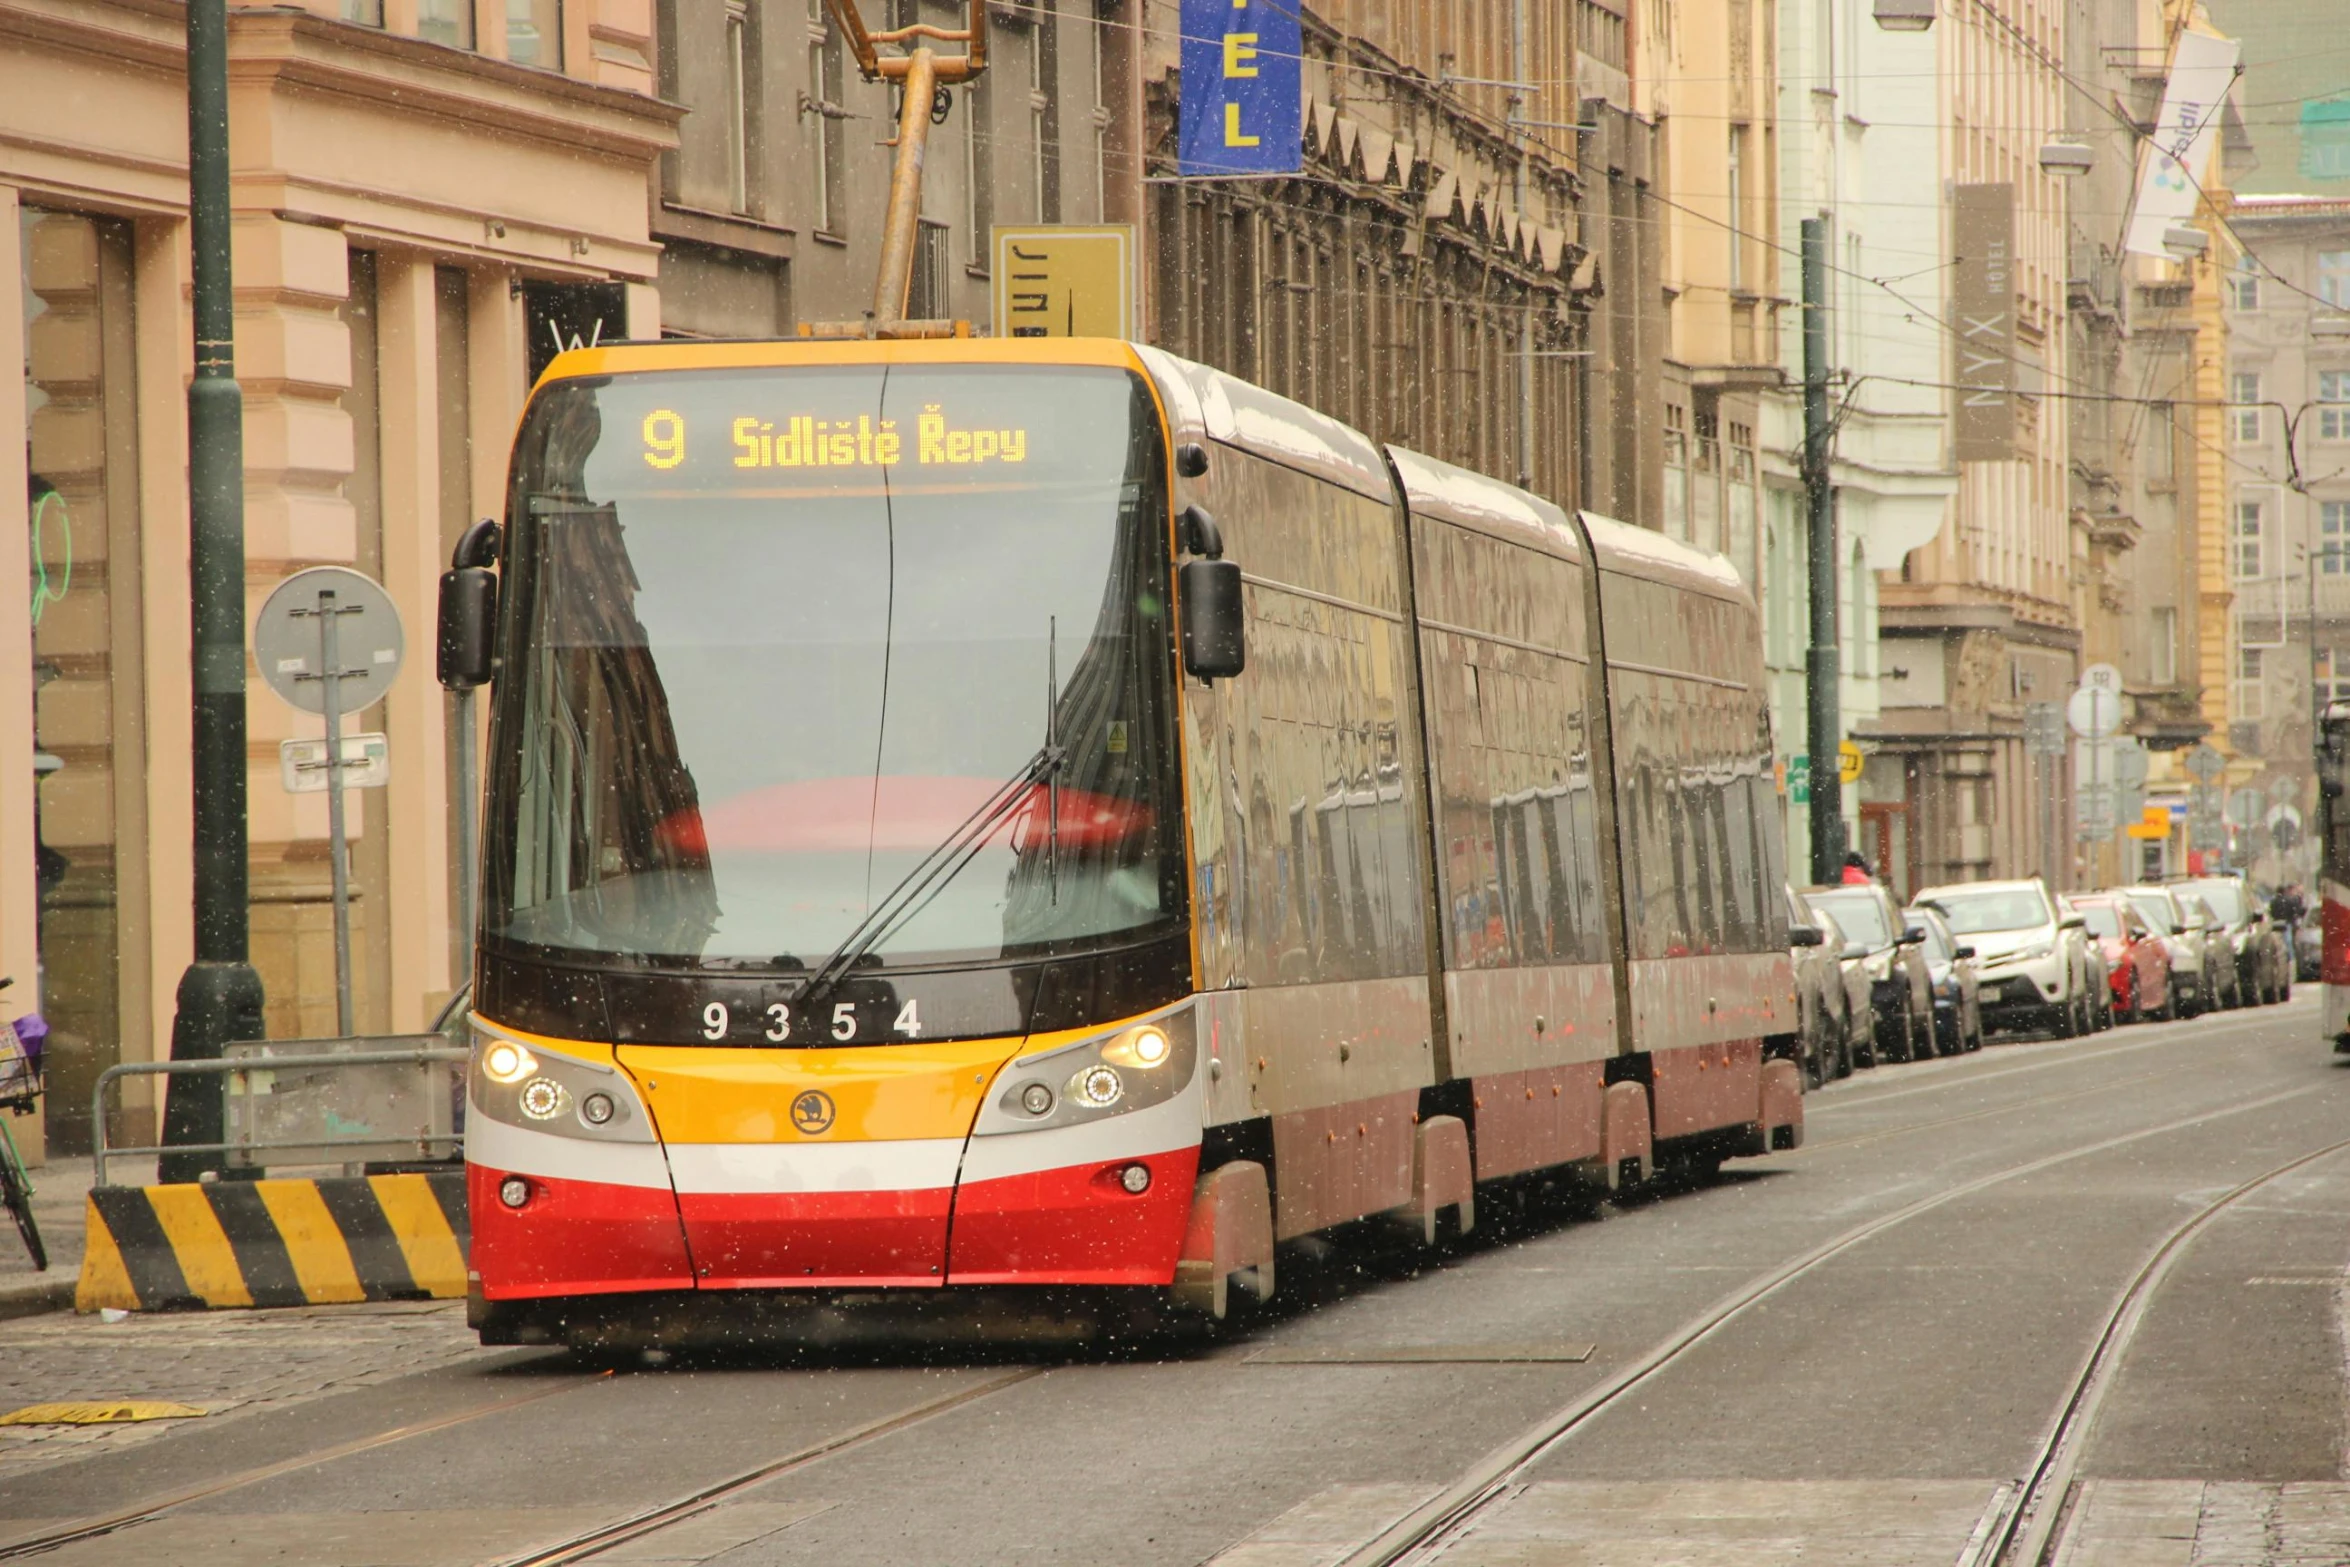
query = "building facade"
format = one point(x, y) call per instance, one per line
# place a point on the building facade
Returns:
point(389, 311)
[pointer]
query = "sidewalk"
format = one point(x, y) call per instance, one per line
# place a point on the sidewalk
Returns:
point(60, 1189)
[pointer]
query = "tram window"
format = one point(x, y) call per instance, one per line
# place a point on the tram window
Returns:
point(754, 691)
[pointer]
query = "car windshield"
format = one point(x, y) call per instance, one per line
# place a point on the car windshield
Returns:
point(1938, 946)
point(2101, 920)
point(1973, 913)
point(779, 635)
point(2225, 897)
point(2156, 910)
point(1862, 917)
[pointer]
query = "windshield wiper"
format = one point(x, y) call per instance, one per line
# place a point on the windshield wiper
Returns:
point(932, 872)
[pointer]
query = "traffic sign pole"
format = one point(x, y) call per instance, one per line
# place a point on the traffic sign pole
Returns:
point(329, 614)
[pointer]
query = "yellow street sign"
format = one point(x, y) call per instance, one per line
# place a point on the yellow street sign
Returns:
point(2155, 823)
point(1065, 280)
point(1849, 762)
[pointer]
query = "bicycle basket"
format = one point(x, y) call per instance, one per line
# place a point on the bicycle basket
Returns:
point(20, 1071)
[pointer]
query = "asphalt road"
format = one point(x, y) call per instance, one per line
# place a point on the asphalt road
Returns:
point(1874, 1408)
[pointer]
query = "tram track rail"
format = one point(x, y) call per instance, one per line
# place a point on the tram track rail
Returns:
point(149, 1508)
point(1421, 1535)
point(2029, 1510)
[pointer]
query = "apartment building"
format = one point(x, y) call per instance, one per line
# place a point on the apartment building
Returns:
point(428, 194)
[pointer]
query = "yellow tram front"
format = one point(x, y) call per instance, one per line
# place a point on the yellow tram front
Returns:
point(834, 924)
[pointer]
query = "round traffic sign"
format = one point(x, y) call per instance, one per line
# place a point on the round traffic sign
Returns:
point(2094, 712)
point(289, 647)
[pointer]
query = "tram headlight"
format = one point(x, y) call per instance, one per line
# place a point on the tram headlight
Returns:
point(540, 1087)
point(507, 1062)
point(1114, 1073)
point(1098, 1086)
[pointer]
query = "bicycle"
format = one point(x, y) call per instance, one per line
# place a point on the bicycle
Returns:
point(20, 1091)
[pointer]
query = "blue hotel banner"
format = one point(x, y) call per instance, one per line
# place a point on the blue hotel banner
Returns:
point(1242, 97)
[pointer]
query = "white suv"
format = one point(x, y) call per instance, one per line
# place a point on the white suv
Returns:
point(2032, 957)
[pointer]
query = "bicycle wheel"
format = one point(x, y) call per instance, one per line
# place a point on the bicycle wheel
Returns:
point(16, 1190)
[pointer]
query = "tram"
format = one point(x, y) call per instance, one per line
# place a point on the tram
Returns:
point(2333, 911)
point(980, 814)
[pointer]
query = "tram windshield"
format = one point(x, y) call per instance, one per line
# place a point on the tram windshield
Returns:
point(775, 637)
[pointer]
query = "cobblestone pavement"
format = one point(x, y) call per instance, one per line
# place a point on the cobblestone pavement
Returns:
point(224, 1363)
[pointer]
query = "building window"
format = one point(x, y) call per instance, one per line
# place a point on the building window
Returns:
point(2333, 277)
point(534, 32)
point(2248, 539)
point(2333, 397)
point(2248, 682)
point(742, 85)
point(2244, 410)
point(2161, 440)
point(1677, 472)
point(367, 13)
point(446, 22)
point(2333, 538)
point(824, 103)
point(1737, 208)
point(926, 292)
point(2163, 664)
point(2333, 676)
point(2244, 284)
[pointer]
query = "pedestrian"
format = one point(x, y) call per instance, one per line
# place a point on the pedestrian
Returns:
point(2288, 907)
point(1856, 870)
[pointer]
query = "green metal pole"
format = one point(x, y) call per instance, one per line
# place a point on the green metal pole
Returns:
point(1822, 664)
point(220, 994)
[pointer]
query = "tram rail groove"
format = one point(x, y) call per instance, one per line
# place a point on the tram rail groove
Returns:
point(1421, 1535)
point(2039, 1502)
point(589, 1543)
point(156, 1506)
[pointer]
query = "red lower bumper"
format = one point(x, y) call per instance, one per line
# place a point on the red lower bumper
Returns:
point(573, 1238)
point(815, 1239)
point(1077, 1225)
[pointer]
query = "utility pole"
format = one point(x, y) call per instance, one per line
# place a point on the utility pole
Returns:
point(220, 994)
point(1822, 664)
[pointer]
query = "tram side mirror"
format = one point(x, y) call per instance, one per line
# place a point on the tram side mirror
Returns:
point(1803, 936)
point(1214, 643)
point(1199, 533)
point(469, 618)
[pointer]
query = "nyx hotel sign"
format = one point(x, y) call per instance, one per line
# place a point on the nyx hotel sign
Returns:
point(1982, 326)
point(1243, 103)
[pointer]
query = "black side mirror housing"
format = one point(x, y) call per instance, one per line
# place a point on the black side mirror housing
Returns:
point(1214, 641)
point(1804, 936)
point(2072, 922)
point(1961, 954)
point(1911, 936)
point(466, 653)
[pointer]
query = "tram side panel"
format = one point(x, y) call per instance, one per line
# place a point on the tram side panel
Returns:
point(1303, 780)
point(1706, 978)
point(1528, 991)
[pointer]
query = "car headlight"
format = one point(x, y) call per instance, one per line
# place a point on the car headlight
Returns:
point(1132, 1068)
point(2035, 952)
point(534, 1086)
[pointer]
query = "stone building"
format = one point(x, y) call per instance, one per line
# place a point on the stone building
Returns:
point(427, 193)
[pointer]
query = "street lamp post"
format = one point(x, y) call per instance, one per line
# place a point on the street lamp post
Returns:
point(220, 994)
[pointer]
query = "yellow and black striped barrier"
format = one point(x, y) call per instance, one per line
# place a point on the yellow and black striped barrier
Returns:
point(274, 1243)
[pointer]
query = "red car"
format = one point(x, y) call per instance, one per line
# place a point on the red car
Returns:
point(2137, 963)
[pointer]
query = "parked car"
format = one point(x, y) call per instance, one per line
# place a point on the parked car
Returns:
point(2309, 948)
point(2182, 936)
point(2033, 957)
point(1824, 1035)
point(2100, 975)
point(2135, 957)
point(1901, 992)
point(1958, 988)
point(2219, 953)
point(2264, 968)
point(1860, 1011)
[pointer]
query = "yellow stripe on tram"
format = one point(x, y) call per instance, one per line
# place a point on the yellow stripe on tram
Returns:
point(201, 1246)
point(435, 1261)
point(314, 1242)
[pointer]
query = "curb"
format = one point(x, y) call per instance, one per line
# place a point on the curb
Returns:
point(36, 1297)
point(232, 1244)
